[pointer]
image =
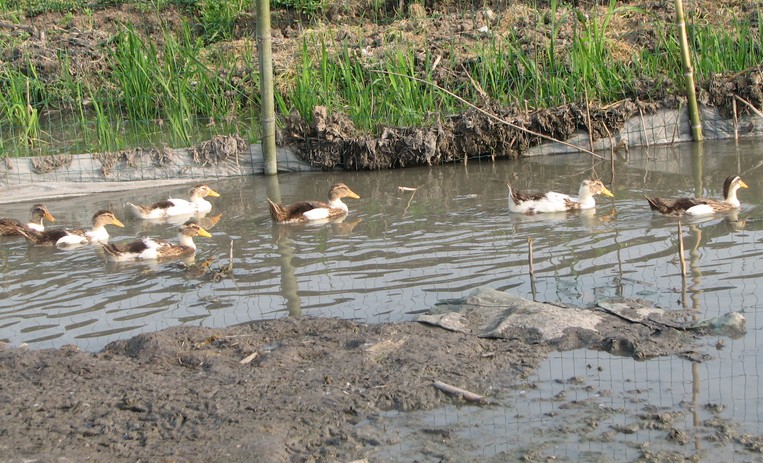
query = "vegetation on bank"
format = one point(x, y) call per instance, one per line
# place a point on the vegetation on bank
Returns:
point(196, 75)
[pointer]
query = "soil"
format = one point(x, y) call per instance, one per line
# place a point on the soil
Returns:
point(288, 390)
point(296, 389)
point(189, 394)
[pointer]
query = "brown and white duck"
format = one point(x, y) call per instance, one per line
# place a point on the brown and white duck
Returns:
point(40, 213)
point(701, 206)
point(155, 249)
point(74, 237)
point(306, 211)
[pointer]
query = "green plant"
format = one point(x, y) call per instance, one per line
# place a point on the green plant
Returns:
point(218, 17)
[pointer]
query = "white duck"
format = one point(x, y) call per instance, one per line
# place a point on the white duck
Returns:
point(524, 202)
point(174, 207)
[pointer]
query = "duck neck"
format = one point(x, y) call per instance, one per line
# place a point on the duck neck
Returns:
point(731, 196)
point(585, 197)
point(36, 225)
point(336, 203)
point(187, 241)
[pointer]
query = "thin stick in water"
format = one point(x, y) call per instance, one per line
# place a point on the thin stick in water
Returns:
point(530, 252)
point(681, 250)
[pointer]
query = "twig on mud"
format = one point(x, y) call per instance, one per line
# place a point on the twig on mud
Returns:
point(249, 358)
point(491, 116)
point(457, 391)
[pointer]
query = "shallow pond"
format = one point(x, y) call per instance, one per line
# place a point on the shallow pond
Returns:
point(400, 251)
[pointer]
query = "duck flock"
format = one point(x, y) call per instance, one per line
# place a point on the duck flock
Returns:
point(147, 248)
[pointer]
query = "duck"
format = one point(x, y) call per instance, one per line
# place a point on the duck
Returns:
point(155, 249)
point(306, 211)
point(524, 202)
point(73, 237)
point(701, 206)
point(11, 227)
point(174, 207)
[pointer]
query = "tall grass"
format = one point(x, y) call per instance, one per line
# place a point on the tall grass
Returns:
point(173, 86)
point(391, 95)
point(189, 84)
point(19, 95)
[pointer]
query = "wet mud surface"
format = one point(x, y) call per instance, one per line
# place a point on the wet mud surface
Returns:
point(288, 390)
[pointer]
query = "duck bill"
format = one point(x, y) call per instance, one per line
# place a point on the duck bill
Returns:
point(49, 217)
point(742, 184)
point(204, 233)
point(117, 222)
point(352, 194)
point(213, 193)
point(606, 192)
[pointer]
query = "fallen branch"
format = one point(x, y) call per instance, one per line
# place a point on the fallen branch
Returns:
point(248, 358)
point(457, 391)
point(749, 105)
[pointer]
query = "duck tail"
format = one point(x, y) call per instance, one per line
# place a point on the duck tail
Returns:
point(110, 249)
point(653, 204)
point(137, 210)
point(277, 212)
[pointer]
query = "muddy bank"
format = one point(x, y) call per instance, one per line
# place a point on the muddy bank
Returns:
point(332, 141)
point(288, 390)
point(183, 394)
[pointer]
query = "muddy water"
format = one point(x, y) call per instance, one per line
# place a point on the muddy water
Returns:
point(399, 252)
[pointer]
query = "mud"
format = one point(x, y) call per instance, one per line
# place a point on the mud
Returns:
point(285, 390)
point(288, 390)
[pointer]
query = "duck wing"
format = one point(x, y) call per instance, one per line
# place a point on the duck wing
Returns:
point(10, 227)
point(674, 206)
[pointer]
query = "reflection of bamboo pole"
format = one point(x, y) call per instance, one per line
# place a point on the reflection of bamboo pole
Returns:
point(285, 249)
point(288, 278)
point(691, 93)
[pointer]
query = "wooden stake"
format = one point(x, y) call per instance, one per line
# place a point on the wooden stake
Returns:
point(736, 119)
point(588, 122)
point(681, 250)
point(530, 246)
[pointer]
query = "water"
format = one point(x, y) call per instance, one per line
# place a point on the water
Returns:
point(399, 252)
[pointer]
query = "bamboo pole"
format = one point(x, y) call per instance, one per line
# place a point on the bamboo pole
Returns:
point(267, 105)
point(691, 93)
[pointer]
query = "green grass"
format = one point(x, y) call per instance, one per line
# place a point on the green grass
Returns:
point(189, 86)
